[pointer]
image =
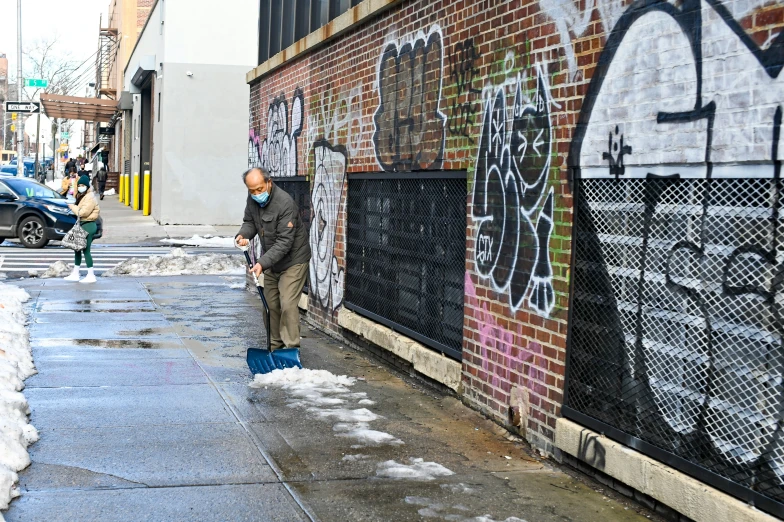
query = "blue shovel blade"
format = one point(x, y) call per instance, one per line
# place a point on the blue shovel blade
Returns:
point(287, 358)
point(264, 361)
point(260, 361)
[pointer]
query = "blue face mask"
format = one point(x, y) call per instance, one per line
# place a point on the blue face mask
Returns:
point(262, 199)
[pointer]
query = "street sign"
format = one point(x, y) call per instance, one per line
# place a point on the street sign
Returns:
point(27, 107)
point(64, 135)
point(36, 82)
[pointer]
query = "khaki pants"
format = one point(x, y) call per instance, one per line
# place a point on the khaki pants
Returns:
point(282, 291)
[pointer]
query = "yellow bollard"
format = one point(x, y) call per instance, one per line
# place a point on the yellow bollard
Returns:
point(121, 188)
point(147, 194)
point(127, 194)
point(135, 199)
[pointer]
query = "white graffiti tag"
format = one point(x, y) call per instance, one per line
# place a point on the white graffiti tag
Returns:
point(326, 276)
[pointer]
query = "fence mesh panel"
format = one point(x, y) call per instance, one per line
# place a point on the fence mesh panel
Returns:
point(676, 333)
point(405, 256)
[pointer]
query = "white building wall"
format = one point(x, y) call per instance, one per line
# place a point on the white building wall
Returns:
point(199, 144)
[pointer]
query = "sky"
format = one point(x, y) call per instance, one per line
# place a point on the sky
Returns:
point(75, 22)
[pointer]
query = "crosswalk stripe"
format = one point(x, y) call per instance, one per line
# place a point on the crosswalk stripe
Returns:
point(21, 260)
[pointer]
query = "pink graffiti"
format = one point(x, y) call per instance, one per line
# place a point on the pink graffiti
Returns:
point(528, 362)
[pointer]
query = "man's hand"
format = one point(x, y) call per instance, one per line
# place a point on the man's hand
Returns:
point(241, 241)
point(257, 269)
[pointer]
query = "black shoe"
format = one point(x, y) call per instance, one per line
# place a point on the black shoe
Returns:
point(101, 196)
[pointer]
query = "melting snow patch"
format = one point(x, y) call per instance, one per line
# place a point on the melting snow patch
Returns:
point(364, 435)
point(16, 365)
point(417, 470)
point(206, 241)
point(433, 509)
point(458, 488)
point(328, 397)
point(354, 458)
point(178, 262)
point(57, 269)
point(110, 192)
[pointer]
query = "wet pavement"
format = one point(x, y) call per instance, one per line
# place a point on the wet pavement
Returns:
point(145, 413)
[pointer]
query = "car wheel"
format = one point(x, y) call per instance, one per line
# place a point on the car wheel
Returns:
point(31, 232)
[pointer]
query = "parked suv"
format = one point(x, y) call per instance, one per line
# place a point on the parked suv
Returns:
point(34, 213)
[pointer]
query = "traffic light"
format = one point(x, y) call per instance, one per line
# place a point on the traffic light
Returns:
point(13, 116)
point(13, 128)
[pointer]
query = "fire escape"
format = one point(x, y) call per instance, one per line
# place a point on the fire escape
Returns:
point(105, 75)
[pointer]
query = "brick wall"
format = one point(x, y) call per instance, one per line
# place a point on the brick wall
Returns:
point(497, 88)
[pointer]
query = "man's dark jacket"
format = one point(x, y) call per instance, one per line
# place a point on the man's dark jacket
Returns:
point(283, 235)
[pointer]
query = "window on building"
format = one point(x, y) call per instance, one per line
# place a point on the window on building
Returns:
point(283, 22)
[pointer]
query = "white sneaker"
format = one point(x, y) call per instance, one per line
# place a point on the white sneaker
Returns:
point(74, 275)
point(90, 277)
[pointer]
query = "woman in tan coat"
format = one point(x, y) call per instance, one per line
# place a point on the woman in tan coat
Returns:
point(87, 209)
point(67, 186)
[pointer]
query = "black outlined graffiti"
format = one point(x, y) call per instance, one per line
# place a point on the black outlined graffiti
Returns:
point(462, 72)
point(326, 275)
point(278, 152)
point(616, 150)
point(509, 181)
point(679, 264)
point(410, 130)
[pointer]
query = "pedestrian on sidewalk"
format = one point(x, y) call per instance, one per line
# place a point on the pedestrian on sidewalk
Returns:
point(100, 178)
point(68, 184)
point(87, 209)
point(271, 214)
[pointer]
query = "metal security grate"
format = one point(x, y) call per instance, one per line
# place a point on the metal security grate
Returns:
point(405, 254)
point(299, 189)
point(676, 334)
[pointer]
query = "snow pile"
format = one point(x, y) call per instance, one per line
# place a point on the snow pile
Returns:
point(57, 269)
point(110, 192)
point(178, 262)
point(328, 397)
point(16, 365)
point(206, 241)
point(417, 470)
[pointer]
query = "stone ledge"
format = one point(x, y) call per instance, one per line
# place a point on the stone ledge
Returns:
point(424, 360)
point(363, 12)
point(684, 494)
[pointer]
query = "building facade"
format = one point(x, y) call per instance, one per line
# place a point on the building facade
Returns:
point(567, 212)
point(175, 77)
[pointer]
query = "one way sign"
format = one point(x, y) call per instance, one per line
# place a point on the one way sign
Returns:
point(28, 107)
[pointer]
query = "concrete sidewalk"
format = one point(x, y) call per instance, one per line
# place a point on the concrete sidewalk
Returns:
point(145, 414)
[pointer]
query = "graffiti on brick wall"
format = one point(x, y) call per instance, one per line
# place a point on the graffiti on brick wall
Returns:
point(463, 69)
point(326, 274)
point(572, 19)
point(700, 242)
point(410, 129)
point(500, 352)
point(336, 116)
point(278, 151)
point(513, 160)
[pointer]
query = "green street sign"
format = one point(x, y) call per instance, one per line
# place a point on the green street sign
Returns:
point(64, 135)
point(36, 82)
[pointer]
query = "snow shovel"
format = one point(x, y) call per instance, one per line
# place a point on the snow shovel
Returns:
point(265, 361)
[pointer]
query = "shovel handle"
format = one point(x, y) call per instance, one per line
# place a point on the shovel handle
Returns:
point(261, 294)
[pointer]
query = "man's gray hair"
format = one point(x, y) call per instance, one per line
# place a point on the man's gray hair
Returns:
point(264, 173)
